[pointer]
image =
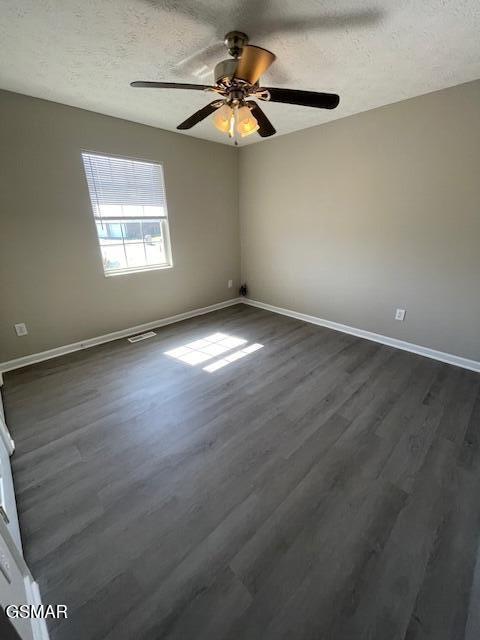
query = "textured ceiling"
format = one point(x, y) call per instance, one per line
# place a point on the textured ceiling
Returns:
point(372, 52)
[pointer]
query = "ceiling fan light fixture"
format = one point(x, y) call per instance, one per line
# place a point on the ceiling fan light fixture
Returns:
point(235, 81)
point(247, 123)
point(222, 118)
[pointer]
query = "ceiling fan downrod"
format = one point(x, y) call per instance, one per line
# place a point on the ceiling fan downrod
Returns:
point(224, 70)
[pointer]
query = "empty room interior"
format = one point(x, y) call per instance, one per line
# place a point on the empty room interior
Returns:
point(240, 320)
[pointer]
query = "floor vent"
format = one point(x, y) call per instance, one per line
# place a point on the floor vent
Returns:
point(142, 336)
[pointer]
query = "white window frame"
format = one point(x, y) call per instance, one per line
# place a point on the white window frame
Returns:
point(163, 220)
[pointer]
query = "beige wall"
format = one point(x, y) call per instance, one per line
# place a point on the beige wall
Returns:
point(51, 276)
point(352, 219)
point(346, 221)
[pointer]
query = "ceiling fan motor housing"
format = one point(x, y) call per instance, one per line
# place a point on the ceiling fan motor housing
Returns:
point(225, 70)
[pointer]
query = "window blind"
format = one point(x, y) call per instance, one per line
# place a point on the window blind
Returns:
point(121, 187)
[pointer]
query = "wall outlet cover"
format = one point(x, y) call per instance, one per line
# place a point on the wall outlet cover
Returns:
point(400, 314)
point(230, 284)
point(21, 329)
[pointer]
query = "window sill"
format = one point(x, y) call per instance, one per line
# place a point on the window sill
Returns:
point(126, 272)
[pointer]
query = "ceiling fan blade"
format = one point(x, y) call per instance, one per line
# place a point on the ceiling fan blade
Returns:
point(169, 85)
point(200, 115)
point(253, 63)
point(265, 127)
point(303, 98)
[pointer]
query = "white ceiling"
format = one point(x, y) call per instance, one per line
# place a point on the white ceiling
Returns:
point(372, 52)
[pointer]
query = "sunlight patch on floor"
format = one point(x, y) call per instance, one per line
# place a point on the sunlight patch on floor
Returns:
point(231, 357)
point(211, 346)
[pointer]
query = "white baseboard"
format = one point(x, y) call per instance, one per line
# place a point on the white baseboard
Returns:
point(449, 358)
point(24, 361)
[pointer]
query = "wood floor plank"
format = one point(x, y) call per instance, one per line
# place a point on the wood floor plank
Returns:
point(442, 605)
point(385, 608)
point(322, 487)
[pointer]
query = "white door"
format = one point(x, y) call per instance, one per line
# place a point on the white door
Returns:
point(8, 508)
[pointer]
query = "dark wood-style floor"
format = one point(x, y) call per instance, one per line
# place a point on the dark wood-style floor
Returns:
point(323, 487)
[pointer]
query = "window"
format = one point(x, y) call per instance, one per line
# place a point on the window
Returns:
point(130, 210)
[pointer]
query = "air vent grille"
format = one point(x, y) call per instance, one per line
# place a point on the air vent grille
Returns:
point(142, 336)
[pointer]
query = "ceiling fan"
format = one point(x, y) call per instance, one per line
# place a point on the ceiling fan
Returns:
point(236, 81)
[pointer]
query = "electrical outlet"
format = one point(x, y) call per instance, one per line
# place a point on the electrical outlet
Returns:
point(230, 284)
point(21, 329)
point(400, 314)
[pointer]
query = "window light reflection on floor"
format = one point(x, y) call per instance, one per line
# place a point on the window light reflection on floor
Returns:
point(231, 357)
point(211, 346)
point(201, 350)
